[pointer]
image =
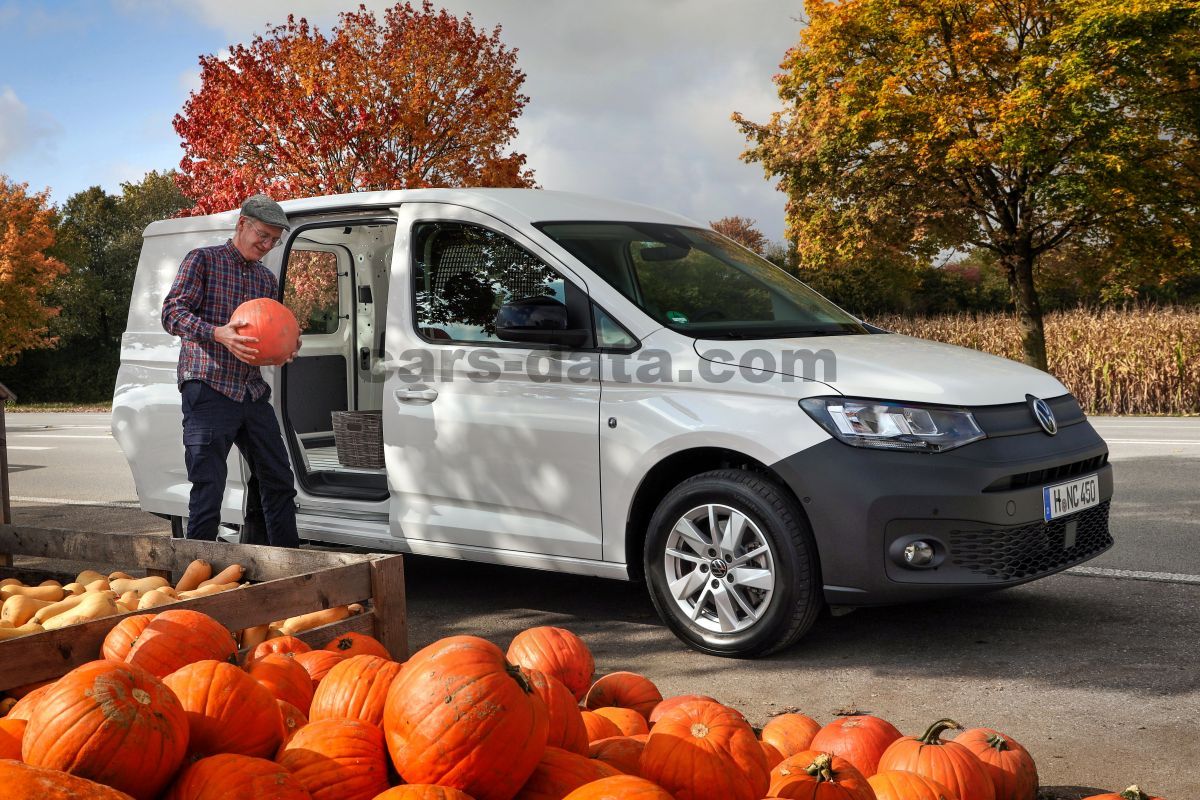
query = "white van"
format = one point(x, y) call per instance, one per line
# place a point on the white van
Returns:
point(597, 387)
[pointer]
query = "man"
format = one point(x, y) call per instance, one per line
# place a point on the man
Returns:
point(225, 400)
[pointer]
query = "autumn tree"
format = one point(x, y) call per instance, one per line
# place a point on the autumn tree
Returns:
point(419, 98)
point(911, 127)
point(742, 231)
point(26, 269)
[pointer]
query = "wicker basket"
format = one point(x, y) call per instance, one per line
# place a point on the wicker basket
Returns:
point(358, 436)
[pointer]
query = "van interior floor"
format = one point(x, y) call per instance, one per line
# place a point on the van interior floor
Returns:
point(325, 475)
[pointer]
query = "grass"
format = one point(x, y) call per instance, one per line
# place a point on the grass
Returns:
point(46, 408)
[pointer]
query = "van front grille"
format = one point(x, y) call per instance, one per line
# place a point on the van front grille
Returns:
point(1042, 477)
point(1027, 551)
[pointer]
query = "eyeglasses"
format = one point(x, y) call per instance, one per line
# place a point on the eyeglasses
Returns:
point(263, 236)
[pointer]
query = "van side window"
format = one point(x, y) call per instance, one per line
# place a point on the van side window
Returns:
point(311, 291)
point(463, 274)
point(610, 334)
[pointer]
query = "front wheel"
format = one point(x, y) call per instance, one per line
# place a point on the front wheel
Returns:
point(731, 565)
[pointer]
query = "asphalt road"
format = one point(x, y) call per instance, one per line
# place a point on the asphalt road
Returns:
point(1093, 670)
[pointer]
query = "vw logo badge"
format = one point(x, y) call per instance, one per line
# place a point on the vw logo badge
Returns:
point(719, 568)
point(1043, 414)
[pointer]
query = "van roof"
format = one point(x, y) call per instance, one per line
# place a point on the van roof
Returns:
point(512, 205)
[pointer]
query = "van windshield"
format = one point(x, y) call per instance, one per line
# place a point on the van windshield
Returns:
point(699, 283)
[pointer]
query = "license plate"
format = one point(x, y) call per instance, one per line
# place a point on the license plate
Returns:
point(1062, 499)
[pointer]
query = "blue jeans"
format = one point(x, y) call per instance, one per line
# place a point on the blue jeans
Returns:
point(212, 423)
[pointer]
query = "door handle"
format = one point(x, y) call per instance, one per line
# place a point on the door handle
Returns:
point(415, 395)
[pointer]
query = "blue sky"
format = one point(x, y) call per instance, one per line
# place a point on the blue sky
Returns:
point(628, 98)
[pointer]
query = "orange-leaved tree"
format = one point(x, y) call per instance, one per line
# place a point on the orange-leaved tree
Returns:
point(26, 271)
point(1019, 127)
point(742, 231)
point(419, 98)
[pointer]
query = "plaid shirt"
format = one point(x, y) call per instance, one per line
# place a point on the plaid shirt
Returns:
point(212, 282)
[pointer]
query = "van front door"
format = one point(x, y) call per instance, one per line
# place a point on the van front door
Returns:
point(492, 446)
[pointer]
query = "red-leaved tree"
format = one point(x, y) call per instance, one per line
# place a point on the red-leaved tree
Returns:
point(742, 231)
point(26, 271)
point(419, 98)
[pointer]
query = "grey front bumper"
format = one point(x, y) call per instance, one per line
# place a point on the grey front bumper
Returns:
point(981, 504)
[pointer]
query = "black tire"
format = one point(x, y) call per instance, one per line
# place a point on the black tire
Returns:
point(773, 617)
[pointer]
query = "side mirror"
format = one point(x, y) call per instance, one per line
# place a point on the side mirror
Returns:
point(538, 320)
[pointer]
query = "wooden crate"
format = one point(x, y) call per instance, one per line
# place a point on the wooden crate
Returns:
point(286, 583)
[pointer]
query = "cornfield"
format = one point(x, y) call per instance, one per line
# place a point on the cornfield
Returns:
point(1139, 361)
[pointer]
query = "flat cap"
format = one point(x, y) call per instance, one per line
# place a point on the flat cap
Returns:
point(264, 209)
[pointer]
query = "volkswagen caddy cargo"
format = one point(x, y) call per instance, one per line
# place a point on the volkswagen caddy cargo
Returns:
point(596, 387)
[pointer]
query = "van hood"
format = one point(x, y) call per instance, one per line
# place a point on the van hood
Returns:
point(891, 367)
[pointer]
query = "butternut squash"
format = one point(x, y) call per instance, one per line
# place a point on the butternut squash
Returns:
point(129, 601)
point(94, 605)
point(98, 585)
point(355, 609)
point(88, 576)
point(203, 591)
point(74, 588)
point(231, 574)
point(153, 599)
point(6, 624)
point(197, 571)
point(11, 633)
point(51, 593)
point(50, 582)
point(314, 619)
point(19, 609)
point(54, 609)
point(6, 705)
point(112, 576)
point(10, 582)
point(139, 585)
point(254, 636)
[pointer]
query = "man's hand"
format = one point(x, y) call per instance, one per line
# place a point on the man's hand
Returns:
point(231, 340)
point(295, 352)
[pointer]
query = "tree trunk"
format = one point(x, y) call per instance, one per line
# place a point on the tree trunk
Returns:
point(1019, 267)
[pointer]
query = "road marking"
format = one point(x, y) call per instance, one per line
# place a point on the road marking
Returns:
point(1133, 574)
point(1152, 441)
point(61, 502)
point(61, 436)
point(20, 447)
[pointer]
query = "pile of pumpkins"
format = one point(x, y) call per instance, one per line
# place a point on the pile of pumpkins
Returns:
point(170, 712)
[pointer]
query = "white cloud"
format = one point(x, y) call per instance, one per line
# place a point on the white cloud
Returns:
point(628, 98)
point(189, 80)
point(20, 130)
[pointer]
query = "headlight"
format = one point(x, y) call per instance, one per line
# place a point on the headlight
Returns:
point(893, 426)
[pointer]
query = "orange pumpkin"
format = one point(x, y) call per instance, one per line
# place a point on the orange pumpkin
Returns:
point(123, 635)
point(566, 723)
point(626, 690)
point(292, 718)
point(892, 784)
point(423, 791)
point(599, 727)
point(234, 777)
point(670, 702)
point(556, 652)
point(227, 711)
point(318, 663)
point(459, 715)
point(23, 781)
point(622, 752)
point(275, 327)
point(809, 775)
point(284, 679)
point(338, 759)
point(790, 733)
point(946, 762)
point(358, 644)
point(1132, 793)
point(774, 757)
point(285, 645)
point(356, 688)
point(11, 732)
point(629, 721)
point(620, 787)
point(24, 707)
point(859, 739)
point(1007, 763)
point(112, 723)
point(705, 751)
point(558, 773)
point(179, 637)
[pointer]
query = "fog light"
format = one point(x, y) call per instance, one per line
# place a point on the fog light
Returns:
point(918, 554)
